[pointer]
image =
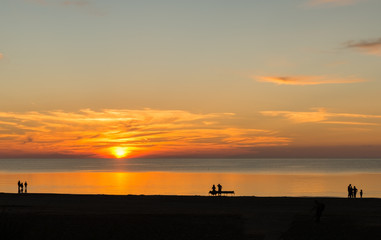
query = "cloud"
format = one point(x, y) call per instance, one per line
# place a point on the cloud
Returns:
point(306, 80)
point(313, 3)
point(368, 46)
point(144, 132)
point(1, 56)
point(321, 115)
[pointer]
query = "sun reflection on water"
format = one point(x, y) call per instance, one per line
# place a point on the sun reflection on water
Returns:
point(170, 183)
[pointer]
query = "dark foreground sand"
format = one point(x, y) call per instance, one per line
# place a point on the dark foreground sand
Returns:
point(58, 216)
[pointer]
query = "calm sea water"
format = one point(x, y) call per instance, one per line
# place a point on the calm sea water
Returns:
point(247, 177)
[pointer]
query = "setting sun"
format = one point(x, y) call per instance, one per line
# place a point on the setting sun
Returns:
point(120, 152)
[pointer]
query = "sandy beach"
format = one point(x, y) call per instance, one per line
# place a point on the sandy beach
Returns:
point(62, 216)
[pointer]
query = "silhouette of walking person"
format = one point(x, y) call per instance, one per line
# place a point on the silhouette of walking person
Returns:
point(25, 187)
point(18, 186)
point(361, 193)
point(214, 188)
point(354, 191)
point(21, 187)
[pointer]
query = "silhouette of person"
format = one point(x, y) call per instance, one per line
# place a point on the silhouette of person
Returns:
point(349, 190)
point(214, 188)
point(219, 189)
point(18, 186)
point(361, 193)
point(21, 188)
point(319, 207)
point(25, 187)
point(354, 191)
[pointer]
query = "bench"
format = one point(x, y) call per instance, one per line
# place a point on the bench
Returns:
point(220, 193)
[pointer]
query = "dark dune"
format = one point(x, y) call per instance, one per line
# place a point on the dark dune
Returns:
point(61, 216)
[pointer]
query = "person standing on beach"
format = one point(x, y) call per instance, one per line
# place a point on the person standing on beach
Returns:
point(25, 186)
point(219, 189)
point(354, 191)
point(214, 188)
point(361, 193)
point(350, 190)
point(18, 186)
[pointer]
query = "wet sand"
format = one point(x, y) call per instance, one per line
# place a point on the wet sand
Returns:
point(63, 216)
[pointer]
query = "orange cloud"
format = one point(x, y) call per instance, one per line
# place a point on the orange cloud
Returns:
point(321, 115)
point(89, 133)
point(306, 80)
point(372, 47)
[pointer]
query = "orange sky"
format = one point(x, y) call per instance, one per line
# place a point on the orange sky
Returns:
point(101, 79)
point(175, 133)
point(139, 133)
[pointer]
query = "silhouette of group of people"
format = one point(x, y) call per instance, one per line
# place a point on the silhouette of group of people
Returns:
point(352, 191)
point(22, 187)
point(219, 186)
point(219, 192)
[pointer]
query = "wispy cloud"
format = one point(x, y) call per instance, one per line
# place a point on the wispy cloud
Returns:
point(313, 3)
point(321, 115)
point(367, 46)
point(143, 132)
point(306, 80)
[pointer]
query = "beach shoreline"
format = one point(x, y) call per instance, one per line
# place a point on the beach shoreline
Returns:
point(187, 217)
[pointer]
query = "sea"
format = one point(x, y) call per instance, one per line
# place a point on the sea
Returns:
point(177, 176)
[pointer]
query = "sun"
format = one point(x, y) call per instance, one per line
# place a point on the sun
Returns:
point(119, 152)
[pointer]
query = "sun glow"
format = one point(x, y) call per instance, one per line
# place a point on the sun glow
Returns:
point(129, 134)
point(120, 152)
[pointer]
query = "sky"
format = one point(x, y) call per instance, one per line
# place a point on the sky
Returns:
point(190, 78)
